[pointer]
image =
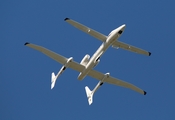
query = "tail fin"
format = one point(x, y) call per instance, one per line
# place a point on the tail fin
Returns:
point(53, 80)
point(89, 94)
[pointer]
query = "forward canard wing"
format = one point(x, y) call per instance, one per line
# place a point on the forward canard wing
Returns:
point(86, 29)
point(118, 44)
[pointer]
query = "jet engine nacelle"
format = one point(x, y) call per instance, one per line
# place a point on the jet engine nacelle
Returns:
point(85, 60)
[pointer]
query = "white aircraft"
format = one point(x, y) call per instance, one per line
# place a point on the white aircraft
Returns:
point(85, 67)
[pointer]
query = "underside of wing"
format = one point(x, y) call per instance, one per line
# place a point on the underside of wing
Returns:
point(61, 59)
point(97, 75)
point(86, 29)
point(118, 44)
point(47, 52)
point(76, 66)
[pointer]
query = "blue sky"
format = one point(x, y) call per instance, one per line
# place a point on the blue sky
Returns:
point(26, 73)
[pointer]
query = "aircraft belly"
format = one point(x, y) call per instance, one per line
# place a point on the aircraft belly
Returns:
point(94, 60)
point(89, 66)
point(83, 74)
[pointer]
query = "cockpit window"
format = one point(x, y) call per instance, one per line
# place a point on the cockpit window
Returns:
point(120, 32)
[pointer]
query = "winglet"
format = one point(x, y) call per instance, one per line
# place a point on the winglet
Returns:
point(66, 19)
point(26, 43)
point(144, 92)
point(149, 53)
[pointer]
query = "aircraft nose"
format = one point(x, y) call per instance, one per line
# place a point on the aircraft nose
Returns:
point(123, 26)
point(121, 29)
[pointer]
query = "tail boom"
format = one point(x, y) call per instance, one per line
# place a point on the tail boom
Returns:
point(54, 78)
point(90, 93)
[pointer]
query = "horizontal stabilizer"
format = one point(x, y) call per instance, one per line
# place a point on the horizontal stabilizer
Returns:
point(89, 94)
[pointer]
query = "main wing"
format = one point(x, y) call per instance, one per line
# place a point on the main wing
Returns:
point(111, 80)
point(87, 29)
point(118, 44)
point(78, 67)
point(61, 59)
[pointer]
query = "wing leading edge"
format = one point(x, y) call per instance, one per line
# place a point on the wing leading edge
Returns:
point(86, 29)
point(103, 38)
point(118, 44)
point(111, 80)
point(61, 59)
point(78, 67)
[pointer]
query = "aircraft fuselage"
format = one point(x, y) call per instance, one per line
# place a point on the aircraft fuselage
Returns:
point(114, 35)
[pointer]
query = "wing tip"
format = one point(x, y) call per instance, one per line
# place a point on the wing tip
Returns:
point(26, 43)
point(66, 19)
point(149, 53)
point(144, 92)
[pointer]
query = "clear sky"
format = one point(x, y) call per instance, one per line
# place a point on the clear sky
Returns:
point(25, 73)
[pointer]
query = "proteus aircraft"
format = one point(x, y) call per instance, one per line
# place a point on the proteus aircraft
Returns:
point(85, 67)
